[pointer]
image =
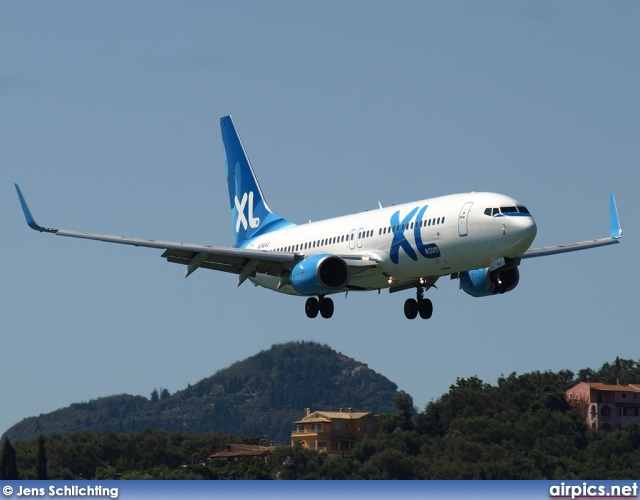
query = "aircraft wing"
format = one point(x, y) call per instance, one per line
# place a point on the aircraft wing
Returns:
point(244, 262)
point(241, 261)
point(614, 237)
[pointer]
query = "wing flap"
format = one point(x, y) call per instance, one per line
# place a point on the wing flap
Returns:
point(261, 262)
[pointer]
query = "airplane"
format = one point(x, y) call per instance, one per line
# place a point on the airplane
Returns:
point(478, 238)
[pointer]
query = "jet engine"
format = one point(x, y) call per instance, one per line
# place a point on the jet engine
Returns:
point(319, 274)
point(483, 282)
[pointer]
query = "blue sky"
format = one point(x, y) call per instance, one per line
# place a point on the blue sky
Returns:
point(109, 121)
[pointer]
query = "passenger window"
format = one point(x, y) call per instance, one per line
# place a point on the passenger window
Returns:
point(443, 220)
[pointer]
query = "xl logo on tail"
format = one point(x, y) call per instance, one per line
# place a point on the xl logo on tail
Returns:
point(250, 220)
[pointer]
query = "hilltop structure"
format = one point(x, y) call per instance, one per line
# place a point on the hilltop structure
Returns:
point(334, 432)
point(606, 406)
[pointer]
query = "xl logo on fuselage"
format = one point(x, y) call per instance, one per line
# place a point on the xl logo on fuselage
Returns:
point(249, 220)
point(400, 227)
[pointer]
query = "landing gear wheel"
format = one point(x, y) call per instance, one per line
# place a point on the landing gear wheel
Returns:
point(411, 308)
point(425, 308)
point(311, 307)
point(326, 308)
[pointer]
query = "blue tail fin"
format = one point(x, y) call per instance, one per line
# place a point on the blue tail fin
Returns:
point(250, 213)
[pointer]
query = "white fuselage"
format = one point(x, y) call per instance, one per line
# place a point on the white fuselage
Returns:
point(428, 238)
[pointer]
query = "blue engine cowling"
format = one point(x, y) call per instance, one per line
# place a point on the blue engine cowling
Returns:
point(319, 274)
point(482, 282)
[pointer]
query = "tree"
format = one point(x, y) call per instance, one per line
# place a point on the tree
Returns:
point(41, 465)
point(154, 396)
point(9, 465)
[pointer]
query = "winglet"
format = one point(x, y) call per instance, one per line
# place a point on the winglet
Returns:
point(616, 229)
point(27, 214)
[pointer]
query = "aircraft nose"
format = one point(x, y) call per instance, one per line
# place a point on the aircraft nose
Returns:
point(523, 230)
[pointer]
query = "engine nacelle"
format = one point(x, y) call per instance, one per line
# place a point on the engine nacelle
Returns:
point(482, 282)
point(319, 274)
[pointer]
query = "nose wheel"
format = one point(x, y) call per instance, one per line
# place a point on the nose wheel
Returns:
point(322, 305)
point(419, 305)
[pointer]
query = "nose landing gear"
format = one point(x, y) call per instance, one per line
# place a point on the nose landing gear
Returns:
point(323, 305)
point(419, 305)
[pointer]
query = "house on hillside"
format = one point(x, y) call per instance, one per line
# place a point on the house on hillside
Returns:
point(237, 452)
point(334, 432)
point(606, 406)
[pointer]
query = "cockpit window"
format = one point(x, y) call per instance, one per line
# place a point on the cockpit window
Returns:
point(506, 210)
point(491, 211)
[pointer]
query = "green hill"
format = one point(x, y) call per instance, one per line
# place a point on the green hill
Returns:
point(261, 395)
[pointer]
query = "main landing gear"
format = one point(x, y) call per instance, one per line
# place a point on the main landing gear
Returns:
point(419, 305)
point(323, 305)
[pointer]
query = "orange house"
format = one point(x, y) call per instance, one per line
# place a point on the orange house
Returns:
point(334, 432)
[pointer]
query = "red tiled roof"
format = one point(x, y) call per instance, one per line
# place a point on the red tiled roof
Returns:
point(612, 387)
point(244, 450)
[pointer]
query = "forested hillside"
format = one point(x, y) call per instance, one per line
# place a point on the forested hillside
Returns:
point(261, 395)
point(519, 428)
